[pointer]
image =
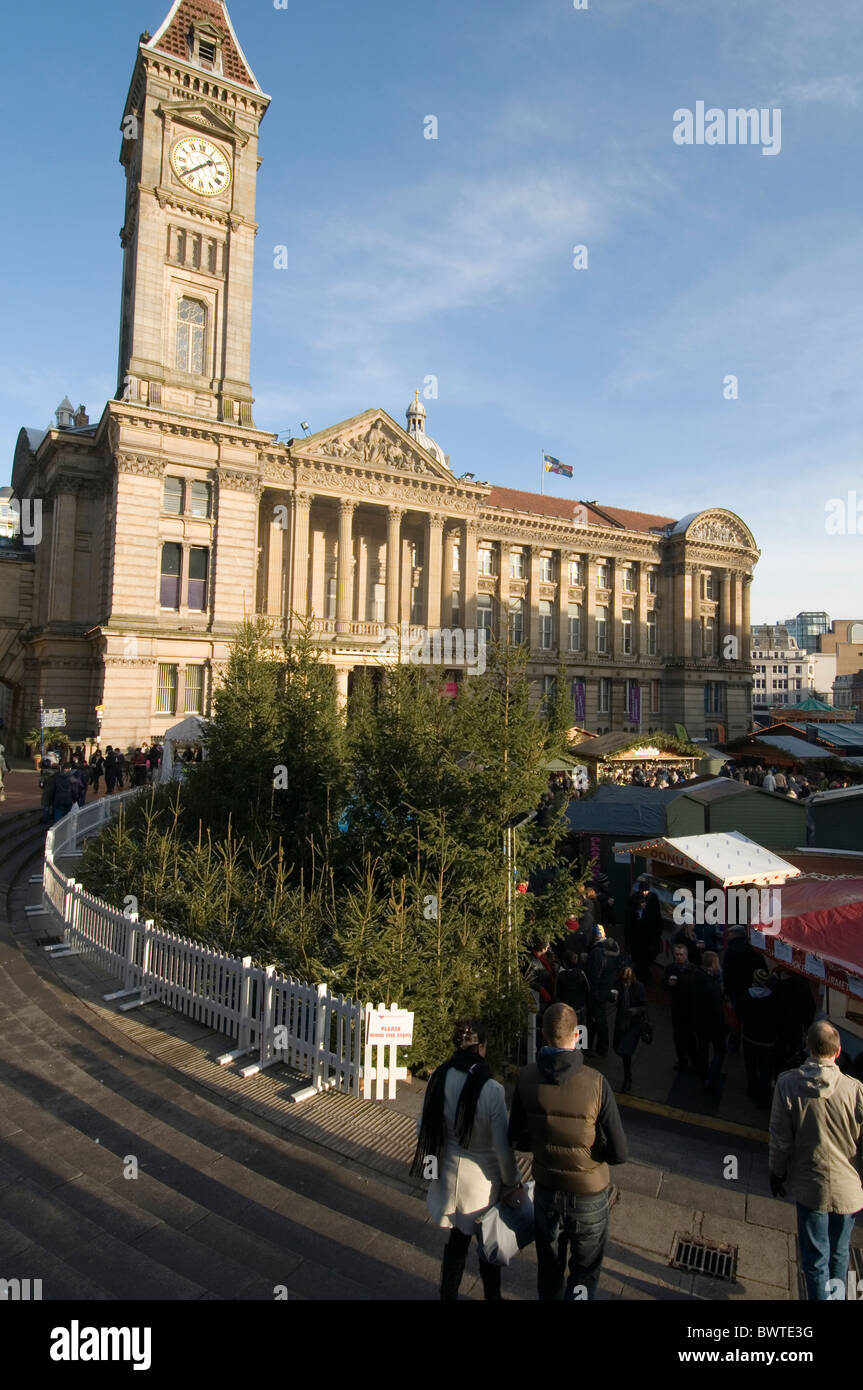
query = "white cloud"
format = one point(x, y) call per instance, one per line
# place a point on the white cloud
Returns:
point(841, 90)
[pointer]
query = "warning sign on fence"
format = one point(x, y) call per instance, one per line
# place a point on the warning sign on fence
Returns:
point(390, 1028)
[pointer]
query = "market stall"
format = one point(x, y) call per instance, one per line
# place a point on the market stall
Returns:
point(821, 936)
point(614, 757)
point(709, 868)
point(186, 734)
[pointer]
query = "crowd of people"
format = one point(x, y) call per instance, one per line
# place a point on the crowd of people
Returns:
point(65, 783)
point(660, 775)
point(793, 783)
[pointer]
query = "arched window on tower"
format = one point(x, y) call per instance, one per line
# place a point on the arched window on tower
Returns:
point(191, 327)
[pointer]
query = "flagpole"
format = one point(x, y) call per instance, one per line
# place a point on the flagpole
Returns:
point(542, 471)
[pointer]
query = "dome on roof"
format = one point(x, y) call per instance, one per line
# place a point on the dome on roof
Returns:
point(416, 416)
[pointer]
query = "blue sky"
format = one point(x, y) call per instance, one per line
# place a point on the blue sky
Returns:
point(453, 257)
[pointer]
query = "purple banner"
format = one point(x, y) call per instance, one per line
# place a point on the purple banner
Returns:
point(634, 703)
point(578, 701)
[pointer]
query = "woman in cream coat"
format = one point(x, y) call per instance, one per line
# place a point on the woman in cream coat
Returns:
point(464, 1150)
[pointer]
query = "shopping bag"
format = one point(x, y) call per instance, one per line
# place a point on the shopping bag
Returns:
point(505, 1229)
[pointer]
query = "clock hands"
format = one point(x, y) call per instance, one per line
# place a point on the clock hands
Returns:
point(195, 167)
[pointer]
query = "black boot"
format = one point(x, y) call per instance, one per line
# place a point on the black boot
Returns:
point(452, 1270)
point(490, 1275)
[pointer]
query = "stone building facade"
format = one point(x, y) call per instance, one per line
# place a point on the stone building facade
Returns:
point(173, 517)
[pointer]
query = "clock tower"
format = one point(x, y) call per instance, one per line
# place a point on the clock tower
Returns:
point(190, 151)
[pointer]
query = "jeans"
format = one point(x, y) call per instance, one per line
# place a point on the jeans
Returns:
point(824, 1238)
point(580, 1222)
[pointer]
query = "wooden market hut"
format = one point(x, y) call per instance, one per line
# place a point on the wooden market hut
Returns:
point(608, 754)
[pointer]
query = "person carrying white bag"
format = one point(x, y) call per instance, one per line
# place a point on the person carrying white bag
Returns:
point(464, 1151)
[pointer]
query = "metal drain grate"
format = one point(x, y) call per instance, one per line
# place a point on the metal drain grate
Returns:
point(705, 1257)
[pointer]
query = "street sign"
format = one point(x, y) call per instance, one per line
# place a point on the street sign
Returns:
point(53, 719)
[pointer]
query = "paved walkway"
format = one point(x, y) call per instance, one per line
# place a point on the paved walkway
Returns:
point(240, 1191)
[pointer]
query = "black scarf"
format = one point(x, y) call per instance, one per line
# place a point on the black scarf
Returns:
point(433, 1130)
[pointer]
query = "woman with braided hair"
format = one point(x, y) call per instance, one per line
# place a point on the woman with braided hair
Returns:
point(464, 1150)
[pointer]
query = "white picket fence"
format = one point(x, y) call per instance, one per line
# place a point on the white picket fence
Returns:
point(313, 1031)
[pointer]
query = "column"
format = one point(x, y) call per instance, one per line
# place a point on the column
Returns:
point(345, 590)
point(532, 606)
point(588, 617)
point(300, 555)
point(63, 557)
point(394, 550)
point(468, 570)
point(433, 569)
point(274, 590)
point(695, 613)
point(452, 537)
point(342, 677)
point(738, 611)
point(502, 624)
point(180, 708)
point(640, 635)
point(746, 644)
point(561, 560)
point(617, 597)
point(725, 614)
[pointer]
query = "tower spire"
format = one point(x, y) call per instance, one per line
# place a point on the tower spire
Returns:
point(200, 32)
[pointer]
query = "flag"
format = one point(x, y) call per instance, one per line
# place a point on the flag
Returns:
point(553, 465)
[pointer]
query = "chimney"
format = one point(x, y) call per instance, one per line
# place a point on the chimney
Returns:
point(81, 417)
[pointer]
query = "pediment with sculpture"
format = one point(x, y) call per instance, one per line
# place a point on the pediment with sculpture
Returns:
point(719, 527)
point(372, 441)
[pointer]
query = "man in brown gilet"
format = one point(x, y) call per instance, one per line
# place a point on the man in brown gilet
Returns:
point(565, 1114)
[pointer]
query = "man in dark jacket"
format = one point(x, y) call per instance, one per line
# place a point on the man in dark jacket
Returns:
point(602, 970)
point(740, 963)
point(710, 1027)
point(796, 1010)
point(572, 987)
point(759, 1026)
point(643, 929)
point(558, 1109)
point(679, 980)
point(61, 793)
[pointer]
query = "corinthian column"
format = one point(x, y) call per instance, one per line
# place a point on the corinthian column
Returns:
point(469, 563)
point(433, 567)
point(300, 555)
point(344, 601)
point(394, 547)
point(695, 629)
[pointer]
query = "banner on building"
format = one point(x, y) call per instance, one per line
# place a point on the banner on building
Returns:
point(578, 701)
point(634, 702)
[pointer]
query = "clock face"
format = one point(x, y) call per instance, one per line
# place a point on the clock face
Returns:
point(201, 166)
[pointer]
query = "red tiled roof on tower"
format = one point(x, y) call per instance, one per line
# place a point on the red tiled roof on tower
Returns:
point(512, 500)
point(172, 37)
